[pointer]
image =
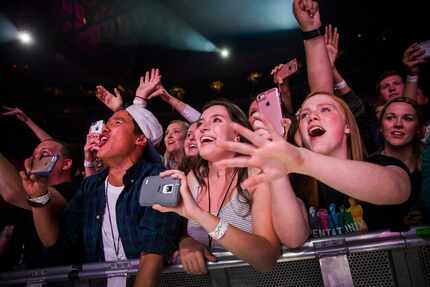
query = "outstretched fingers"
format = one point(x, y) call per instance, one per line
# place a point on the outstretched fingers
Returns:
point(248, 134)
point(238, 161)
point(238, 147)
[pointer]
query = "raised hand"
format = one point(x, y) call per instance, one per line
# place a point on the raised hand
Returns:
point(15, 112)
point(283, 71)
point(307, 14)
point(331, 40)
point(113, 102)
point(148, 84)
point(194, 256)
point(33, 185)
point(275, 157)
point(91, 146)
point(412, 58)
point(187, 207)
point(161, 92)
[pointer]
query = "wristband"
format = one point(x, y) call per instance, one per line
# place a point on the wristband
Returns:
point(219, 230)
point(340, 85)
point(412, 78)
point(311, 34)
point(89, 164)
point(39, 201)
point(140, 101)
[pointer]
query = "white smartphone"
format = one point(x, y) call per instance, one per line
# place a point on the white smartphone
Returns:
point(97, 127)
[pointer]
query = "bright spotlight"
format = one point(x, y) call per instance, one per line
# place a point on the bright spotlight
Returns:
point(25, 38)
point(225, 53)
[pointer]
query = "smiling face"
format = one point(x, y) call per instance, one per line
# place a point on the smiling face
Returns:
point(118, 139)
point(399, 124)
point(214, 123)
point(190, 143)
point(175, 136)
point(391, 87)
point(323, 126)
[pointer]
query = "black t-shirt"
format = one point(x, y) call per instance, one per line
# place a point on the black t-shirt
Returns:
point(26, 250)
point(338, 213)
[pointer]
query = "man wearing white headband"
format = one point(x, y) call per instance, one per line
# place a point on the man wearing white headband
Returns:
point(104, 221)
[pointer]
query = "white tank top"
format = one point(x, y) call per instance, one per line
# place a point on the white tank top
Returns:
point(236, 212)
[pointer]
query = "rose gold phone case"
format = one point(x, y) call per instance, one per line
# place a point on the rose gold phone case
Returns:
point(269, 104)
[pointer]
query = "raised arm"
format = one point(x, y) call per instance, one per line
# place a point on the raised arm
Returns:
point(361, 180)
point(320, 74)
point(331, 40)
point(113, 102)
point(45, 217)
point(280, 76)
point(188, 112)
point(11, 188)
point(38, 131)
point(150, 87)
point(412, 58)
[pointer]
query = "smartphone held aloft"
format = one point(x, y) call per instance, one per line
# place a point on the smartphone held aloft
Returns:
point(43, 166)
point(269, 104)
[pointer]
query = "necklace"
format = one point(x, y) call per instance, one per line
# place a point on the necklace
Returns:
point(222, 202)
point(115, 246)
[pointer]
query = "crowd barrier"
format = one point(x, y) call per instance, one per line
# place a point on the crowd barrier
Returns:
point(372, 259)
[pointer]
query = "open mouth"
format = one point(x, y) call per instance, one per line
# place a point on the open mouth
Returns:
point(192, 146)
point(171, 142)
point(206, 139)
point(316, 131)
point(397, 134)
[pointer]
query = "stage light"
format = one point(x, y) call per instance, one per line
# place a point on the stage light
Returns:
point(224, 53)
point(25, 38)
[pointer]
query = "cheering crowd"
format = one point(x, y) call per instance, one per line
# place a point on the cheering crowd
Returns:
point(337, 168)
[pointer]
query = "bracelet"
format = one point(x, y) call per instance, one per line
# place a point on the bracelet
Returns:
point(311, 34)
point(412, 78)
point(340, 85)
point(39, 201)
point(89, 164)
point(219, 230)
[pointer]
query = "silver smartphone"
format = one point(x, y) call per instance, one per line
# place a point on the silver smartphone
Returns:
point(43, 166)
point(164, 191)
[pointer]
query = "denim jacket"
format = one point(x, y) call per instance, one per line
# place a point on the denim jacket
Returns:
point(141, 229)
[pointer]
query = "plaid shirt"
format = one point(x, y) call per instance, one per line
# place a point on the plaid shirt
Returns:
point(142, 229)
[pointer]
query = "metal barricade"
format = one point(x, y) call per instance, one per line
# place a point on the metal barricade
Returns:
point(372, 259)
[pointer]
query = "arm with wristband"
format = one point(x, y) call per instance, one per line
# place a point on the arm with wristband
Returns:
point(150, 87)
point(320, 75)
point(412, 58)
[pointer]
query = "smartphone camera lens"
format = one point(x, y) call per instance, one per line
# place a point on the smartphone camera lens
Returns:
point(267, 104)
point(168, 188)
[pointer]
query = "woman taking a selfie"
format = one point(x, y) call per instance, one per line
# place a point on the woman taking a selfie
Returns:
point(222, 214)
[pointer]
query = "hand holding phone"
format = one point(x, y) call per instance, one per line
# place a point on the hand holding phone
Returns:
point(160, 190)
point(269, 104)
point(283, 71)
point(43, 166)
point(97, 127)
